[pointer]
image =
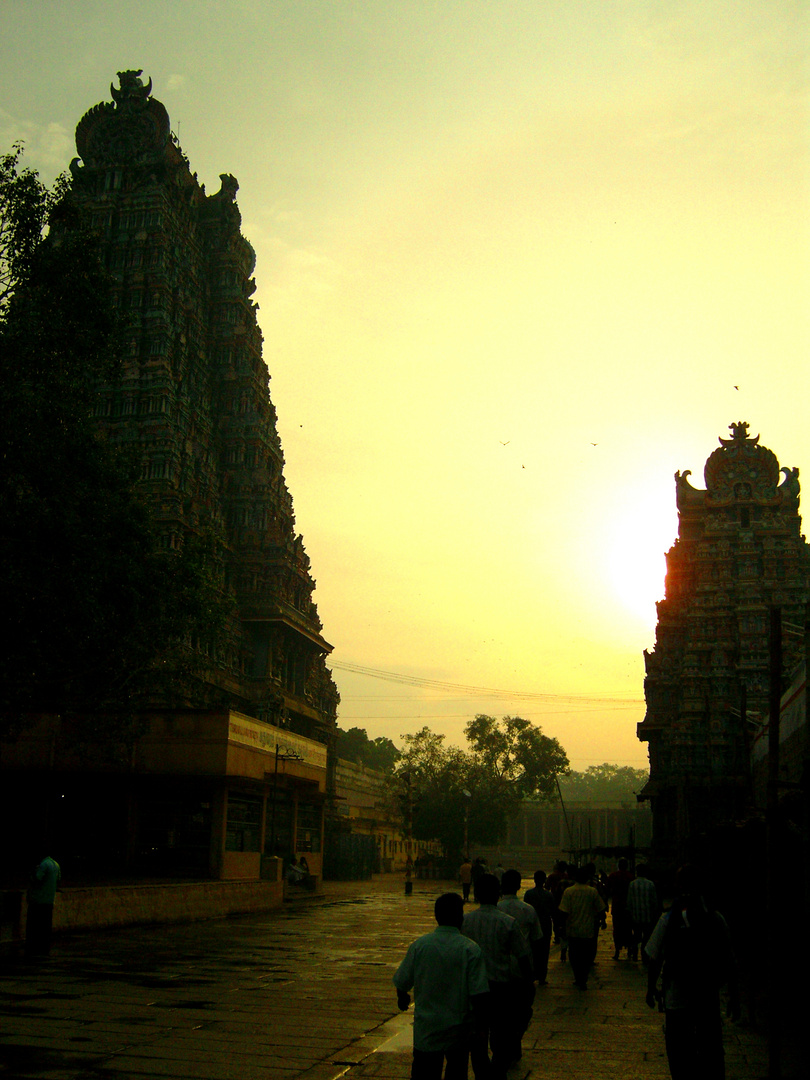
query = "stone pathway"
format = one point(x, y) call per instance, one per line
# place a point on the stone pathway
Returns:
point(303, 992)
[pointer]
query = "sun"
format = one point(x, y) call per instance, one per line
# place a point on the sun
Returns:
point(636, 562)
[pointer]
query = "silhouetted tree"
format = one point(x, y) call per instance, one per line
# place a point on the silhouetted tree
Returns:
point(355, 745)
point(25, 205)
point(444, 791)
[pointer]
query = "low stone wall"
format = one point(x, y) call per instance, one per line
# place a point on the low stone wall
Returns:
point(126, 905)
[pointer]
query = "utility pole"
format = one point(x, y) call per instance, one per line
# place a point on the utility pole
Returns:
point(772, 875)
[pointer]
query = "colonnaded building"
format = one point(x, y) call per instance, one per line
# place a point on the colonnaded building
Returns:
point(236, 770)
point(740, 552)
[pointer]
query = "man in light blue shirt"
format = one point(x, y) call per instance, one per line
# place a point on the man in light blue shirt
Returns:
point(41, 894)
point(448, 975)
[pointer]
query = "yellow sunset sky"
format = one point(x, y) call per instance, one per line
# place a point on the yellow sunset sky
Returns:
point(517, 263)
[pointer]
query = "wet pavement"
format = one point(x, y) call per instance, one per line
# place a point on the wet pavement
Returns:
point(302, 992)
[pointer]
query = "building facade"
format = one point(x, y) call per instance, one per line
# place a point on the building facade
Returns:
point(739, 553)
point(540, 834)
point(199, 795)
point(367, 808)
point(237, 767)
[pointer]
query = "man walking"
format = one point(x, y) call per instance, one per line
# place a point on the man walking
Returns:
point(448, 975)
point(465, 877)
point(500, 940)
point(644, 908)
point(582, 907)
point(543, 903)
point(618, 884)
point(693, 943)
point(41, 895)
point(521, 988)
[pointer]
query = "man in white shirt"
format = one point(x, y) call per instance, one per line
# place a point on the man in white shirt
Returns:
point(448, 975)
point(523, 913)
point(522, 989)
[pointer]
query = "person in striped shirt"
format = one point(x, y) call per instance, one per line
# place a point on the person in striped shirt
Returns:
point(644, 908)
point(501, 940)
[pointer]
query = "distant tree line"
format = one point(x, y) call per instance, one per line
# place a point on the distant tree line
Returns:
point(454, 794)
point(604, 783)
point(450, 794)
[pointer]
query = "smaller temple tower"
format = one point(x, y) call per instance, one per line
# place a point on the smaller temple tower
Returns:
point(739, 552)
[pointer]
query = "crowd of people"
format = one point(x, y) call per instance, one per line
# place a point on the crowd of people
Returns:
point(475, 977)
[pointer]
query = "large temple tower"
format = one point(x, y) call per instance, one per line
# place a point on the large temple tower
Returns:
point(739, 552)
point(194, 402)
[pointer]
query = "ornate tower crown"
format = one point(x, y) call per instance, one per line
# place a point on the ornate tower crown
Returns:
point(132, 92)
point(739, 433)
point(133, 129)
point(740, 471)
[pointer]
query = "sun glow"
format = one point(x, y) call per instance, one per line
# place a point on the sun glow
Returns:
point(637, 563)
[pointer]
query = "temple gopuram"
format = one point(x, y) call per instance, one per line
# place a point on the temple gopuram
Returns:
point(194, 397)
point(739, 553)
point(230, 777)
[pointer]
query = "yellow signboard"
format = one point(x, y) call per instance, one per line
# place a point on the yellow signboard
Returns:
point(271, 740)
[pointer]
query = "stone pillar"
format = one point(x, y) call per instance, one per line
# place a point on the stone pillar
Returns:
point(219, 817)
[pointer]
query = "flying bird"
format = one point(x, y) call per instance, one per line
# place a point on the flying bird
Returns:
point(504, 443)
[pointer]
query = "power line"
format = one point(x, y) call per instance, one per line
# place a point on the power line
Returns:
point(478, 691)
point(449, 716)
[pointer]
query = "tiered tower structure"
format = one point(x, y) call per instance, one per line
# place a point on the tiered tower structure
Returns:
point(194, 401)
point(739, 552)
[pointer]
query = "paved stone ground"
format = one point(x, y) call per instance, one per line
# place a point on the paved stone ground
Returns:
point(304, 992)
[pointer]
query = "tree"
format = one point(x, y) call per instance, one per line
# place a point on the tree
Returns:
point(452, 794)
point(95, 612)
point(604, 783)
point(428, 789)
point(515, 752)
point(25, 205)
point(355, 745)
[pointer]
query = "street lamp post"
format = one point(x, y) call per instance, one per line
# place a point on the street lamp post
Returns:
point(467, 795)
point(282, 754)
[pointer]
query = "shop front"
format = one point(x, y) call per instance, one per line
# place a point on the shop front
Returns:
point(200, 795)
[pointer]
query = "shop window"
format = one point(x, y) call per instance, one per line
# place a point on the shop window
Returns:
point(278, 838)
point(174, 834)
point(243, 828)
point(309, 828)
